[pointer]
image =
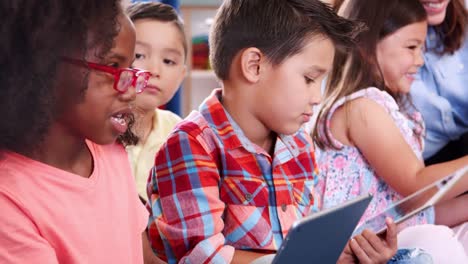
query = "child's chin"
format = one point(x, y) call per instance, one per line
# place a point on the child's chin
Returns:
point(106, 141)
point(290, 130)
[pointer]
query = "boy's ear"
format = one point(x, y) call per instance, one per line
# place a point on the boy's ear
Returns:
point(251, 60)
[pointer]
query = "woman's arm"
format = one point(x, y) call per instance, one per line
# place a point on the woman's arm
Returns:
point(453, 212)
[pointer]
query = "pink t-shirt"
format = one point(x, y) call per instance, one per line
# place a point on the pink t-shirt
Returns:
point(52, 216)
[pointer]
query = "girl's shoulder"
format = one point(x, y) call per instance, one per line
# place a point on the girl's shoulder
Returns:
point(372, 94)
point(354, 106)
point(365, 98)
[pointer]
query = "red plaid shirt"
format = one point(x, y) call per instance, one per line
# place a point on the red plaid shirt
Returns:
point(212, 190)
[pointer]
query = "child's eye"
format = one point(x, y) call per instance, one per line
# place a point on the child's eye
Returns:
point(139, 56)
point(412, 47)
point(309, 80)
point(114, 64)
point(169, 62)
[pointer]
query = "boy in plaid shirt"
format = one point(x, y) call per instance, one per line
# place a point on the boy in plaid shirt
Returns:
point(235, 175)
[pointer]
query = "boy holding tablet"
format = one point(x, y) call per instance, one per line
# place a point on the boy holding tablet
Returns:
point(234, 176)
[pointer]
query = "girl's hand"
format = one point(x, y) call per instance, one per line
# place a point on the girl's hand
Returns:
point(369, 248)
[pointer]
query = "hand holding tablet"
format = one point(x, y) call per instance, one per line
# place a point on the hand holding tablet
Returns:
point(413, 204)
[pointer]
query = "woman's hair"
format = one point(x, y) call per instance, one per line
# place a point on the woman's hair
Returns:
point(159, 12)
point(359, 68)
point(35, 37)
point(452, 31)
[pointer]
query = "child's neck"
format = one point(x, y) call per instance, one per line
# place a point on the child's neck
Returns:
point(252, 128)
point(64, 151)
point(144, 125)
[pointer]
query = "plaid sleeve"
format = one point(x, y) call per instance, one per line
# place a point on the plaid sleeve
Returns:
point(186, 212)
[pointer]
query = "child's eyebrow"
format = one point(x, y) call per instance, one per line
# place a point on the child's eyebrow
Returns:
point(119, 57)
point(144, 44)
point(172, 50)
point(419, 41)
point(318, 70)
point(169, 50)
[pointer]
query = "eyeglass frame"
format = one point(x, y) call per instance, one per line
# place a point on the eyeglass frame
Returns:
point(116, 72)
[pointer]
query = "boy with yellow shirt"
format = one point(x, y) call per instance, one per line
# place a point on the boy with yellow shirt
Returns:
point(165, 58)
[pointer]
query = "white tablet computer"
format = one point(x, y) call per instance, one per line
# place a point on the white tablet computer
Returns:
point(321, 237)
point(414, 203)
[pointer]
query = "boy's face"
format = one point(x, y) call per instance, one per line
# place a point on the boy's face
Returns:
point(289, 90)
point(159, 49)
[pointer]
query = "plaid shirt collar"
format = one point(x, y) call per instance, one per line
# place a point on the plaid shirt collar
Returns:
point(233, 137)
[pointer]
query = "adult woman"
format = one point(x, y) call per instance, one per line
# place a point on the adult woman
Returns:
point(441, 93)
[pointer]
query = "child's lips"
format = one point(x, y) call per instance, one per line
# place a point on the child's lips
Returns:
point(306, 117)
point(152, 89)
point(119, 120)
point(410, 76)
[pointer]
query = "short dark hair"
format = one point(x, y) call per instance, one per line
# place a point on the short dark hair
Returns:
point(159, 12)
point(452, 31)
point(279, 28)
point(35, 37)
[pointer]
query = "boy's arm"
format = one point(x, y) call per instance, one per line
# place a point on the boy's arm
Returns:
point(244, 256)
point(148, 256)
point(185, 208)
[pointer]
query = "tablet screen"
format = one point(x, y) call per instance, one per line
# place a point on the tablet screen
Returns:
point(321, 237)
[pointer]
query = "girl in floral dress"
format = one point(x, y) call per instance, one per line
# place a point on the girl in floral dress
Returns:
point(369, 135)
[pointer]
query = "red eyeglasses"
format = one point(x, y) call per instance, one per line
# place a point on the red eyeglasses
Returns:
point(123, 77)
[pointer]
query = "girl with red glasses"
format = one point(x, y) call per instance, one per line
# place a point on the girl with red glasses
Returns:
point(66, 190)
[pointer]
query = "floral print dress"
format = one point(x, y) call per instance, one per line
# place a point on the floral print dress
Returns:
point(345, 173)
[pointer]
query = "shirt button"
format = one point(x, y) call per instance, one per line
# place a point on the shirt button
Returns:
point(447, 118)
point(248, 197)
point(284, 207)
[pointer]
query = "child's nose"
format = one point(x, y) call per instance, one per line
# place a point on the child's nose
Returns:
point(156, 70)
point(315, 97)
point(129, 95)
point(419, 60)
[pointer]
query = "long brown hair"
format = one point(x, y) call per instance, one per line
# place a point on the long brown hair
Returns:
point(451, 32)
point(359, 69)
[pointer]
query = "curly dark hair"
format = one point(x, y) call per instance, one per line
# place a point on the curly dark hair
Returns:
point(35, 36)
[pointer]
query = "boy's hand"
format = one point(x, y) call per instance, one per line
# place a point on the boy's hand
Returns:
point(347, 256)
point(369, 248)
